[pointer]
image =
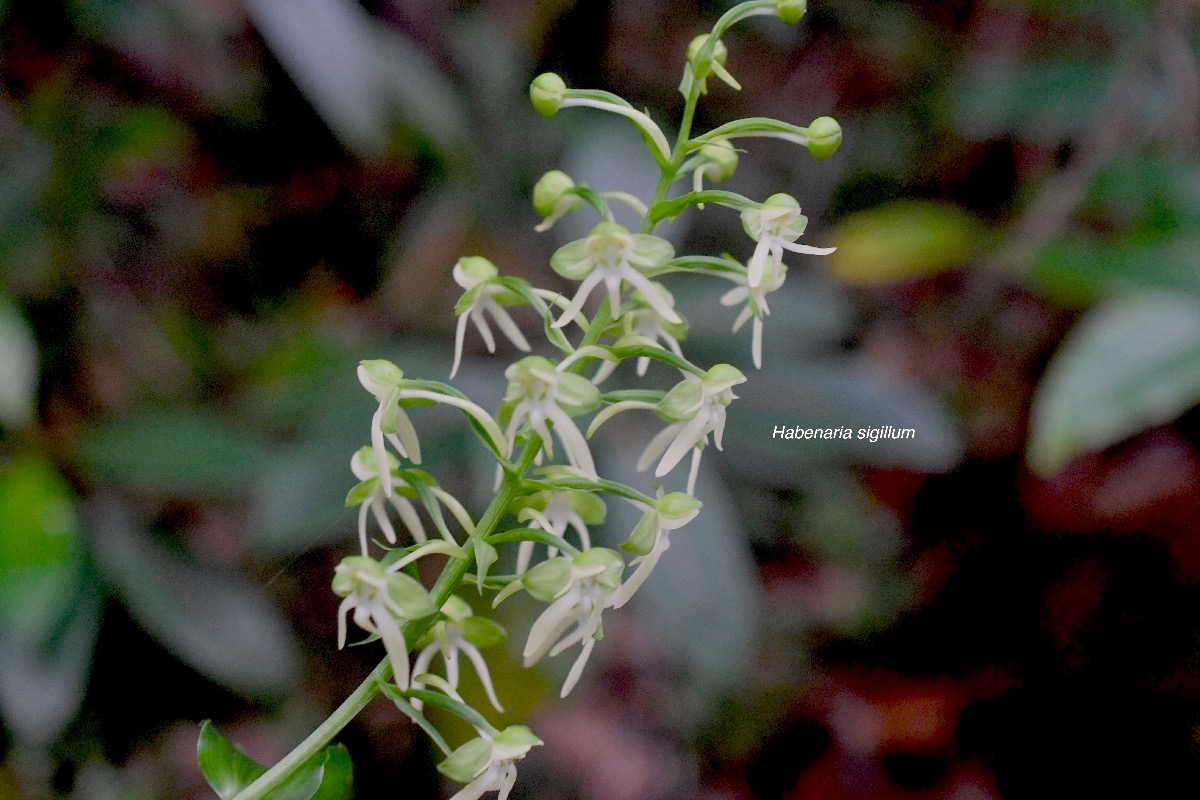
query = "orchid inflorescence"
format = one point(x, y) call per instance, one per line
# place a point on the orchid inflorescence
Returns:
point(547, 477)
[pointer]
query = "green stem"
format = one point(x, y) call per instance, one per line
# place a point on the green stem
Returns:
point(445, 585)
point(678, 154)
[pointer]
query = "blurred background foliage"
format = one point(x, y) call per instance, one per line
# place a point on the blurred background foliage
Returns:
point(211, 210)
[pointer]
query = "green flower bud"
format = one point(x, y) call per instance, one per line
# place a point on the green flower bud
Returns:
point(824, 137)
point(719, 55)
point(550, 190)
point(547, 93)
point(790, 11)
point(722, 158)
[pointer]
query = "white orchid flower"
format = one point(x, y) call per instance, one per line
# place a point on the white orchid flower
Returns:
point(755, 299)
point(578, 589)
point(775, 225)
point(651, 538)
point(540, 393)
point(610, 255)
point(385, 381)
point(477, 275)
point(382, 600)
point(487, 763)
point(460, 631)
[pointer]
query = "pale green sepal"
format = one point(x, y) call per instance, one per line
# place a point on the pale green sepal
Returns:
point(517, 736)
point(410, 596)
point(576, 394)
point(345, 576)
point(681, 402)
point(545, 580)
point(657, 250)
point(361, 492)
point(467, 761)
point(378, 373)
point(723, 376)
point(589, 507)
point(641, 541)
point(573, 260)
point(482, 632)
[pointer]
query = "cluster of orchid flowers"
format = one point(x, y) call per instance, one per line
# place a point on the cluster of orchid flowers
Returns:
point(547, 478)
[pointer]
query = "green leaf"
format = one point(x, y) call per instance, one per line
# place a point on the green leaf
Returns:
point(49, 604)
point(226, 768)
point(18, 368)
point(39, 537)
point(902, 240)
point(218, 622)
point(1045, 99)
point(192, 453)
point(1130, 363)
point(328, 775)
point(43, 676)
point(304, 782)
point(1081, 271)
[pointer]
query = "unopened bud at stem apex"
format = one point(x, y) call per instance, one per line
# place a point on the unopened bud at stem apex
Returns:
point(546, 93)
point(714, 64)
point(824, 137)
point(791, 11)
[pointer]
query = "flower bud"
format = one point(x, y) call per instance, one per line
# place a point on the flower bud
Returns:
point(547, 93)
point(722, 158)
point(790, 11)
point(824, 137)
point(551, 191)
point(720, 53)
